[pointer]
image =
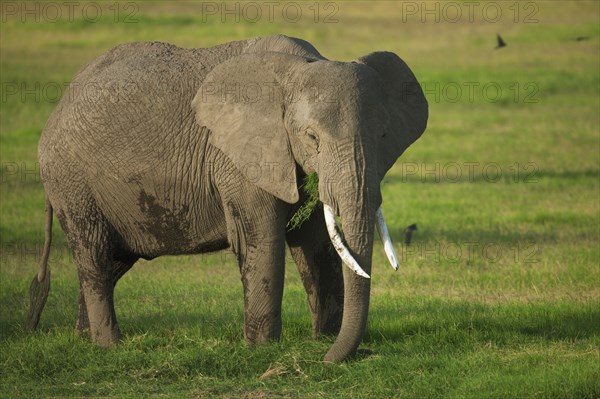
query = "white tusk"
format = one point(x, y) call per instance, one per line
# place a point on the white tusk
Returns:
point(338, 244)
point(387, 241)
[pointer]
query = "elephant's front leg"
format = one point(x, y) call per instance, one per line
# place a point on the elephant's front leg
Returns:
point(256, 230)
point(321, 271)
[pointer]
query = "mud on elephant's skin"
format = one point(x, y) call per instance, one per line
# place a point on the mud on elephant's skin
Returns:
point(173, 152)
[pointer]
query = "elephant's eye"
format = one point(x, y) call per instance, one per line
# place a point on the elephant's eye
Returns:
point(312, 135)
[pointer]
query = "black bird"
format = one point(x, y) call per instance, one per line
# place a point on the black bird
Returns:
point(408, 232)
point(582, 38)
point(501, 43)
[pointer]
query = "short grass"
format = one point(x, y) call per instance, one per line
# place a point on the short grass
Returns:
point(498, 295)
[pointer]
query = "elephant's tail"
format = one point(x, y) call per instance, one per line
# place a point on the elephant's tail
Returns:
point(40, 286)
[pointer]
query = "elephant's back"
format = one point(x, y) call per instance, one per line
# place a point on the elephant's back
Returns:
point(136, 95)
point(144, 61)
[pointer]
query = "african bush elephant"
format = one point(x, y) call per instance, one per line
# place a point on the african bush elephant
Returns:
point(158, 150)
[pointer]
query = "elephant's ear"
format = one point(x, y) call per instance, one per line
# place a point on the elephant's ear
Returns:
point(241, 101)
point(405, 104)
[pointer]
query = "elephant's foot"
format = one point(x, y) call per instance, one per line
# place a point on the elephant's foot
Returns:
point(263, 329)
point(328, 319)
point(263, 289)
point(103, 327)
point(106, 337)
point(104, 333)
point(103, 338)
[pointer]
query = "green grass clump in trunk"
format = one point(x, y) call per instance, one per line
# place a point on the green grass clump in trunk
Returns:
point(311, 188)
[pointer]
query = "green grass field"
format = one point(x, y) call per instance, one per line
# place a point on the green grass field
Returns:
point(498, 297)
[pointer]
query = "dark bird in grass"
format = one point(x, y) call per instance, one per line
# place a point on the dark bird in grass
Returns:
point(582, 38)
point(501, 43)
point(408, 232)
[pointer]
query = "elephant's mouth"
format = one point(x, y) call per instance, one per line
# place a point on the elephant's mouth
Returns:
point(342, 250)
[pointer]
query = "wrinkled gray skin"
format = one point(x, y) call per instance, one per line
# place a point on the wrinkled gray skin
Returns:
point(158, 150)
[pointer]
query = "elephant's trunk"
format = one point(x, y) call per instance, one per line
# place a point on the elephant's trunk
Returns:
point(355, 196)
point(358, 231)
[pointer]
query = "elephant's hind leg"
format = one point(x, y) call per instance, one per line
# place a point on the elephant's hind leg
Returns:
point(119, 267)
point(321, 271)
point(91, 240)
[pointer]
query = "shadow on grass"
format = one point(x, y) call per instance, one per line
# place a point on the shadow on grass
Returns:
point(500, 323)
point(210, 325)
point(430, 323)
point(140, 321)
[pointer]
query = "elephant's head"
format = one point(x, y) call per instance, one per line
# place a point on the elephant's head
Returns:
point(277, 113)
